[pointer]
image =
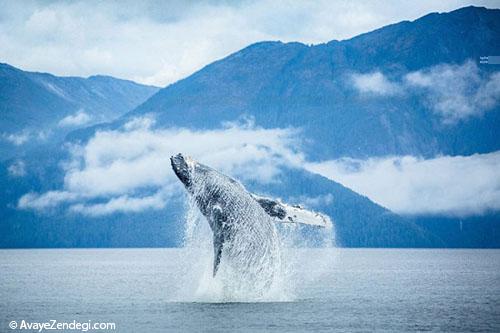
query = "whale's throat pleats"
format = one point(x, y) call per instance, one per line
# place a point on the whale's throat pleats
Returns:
point(218, 224)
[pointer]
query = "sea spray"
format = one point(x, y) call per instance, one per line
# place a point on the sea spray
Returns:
point(250, 253)
point(293, 241)
point(251, 264)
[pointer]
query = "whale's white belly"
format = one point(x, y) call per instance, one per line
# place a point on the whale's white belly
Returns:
point(252, 253)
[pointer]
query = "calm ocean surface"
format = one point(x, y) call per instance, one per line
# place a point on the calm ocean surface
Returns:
point(148, 290)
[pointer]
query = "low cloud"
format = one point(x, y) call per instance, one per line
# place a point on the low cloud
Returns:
point(17, 169)
point(124, 204)
point(47, 200)
point(316, 202)
point(457, 186)
point(24, 136)
point(115, 168)
point(457, 92)
point(78, 119)
point(17, 139)
point(453, 92)
point(374, 83)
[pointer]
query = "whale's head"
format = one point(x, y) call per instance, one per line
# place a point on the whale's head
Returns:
point(183, 167)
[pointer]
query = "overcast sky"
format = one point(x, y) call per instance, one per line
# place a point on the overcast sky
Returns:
point(159, 42)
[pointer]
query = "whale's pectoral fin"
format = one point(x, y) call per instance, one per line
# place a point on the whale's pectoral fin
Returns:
point(284, 213)
point(219, 219)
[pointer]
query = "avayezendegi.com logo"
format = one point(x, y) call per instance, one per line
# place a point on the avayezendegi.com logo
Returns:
point(60, 325)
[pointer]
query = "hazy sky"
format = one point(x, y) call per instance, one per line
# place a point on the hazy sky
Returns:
point(159, 42)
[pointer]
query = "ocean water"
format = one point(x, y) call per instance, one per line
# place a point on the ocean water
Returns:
point(327, 290)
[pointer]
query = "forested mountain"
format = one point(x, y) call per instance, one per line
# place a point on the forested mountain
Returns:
point(411, 88)
point(39, 108)
point(321, 89)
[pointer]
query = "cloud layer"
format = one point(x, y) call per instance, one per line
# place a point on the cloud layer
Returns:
point(129, 170)
point(457, 92)
point(459, 185)
point(16, 139)
point(25, 136)
point(17, 169)
point(159, 42)
point(374, 83)
point(78, 119)
point(454, 92)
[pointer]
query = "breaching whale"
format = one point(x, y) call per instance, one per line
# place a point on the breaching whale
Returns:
point(243, 224)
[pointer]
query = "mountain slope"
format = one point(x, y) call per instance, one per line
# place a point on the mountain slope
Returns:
point(34, 106)
point(310, 87)
point(358, 221)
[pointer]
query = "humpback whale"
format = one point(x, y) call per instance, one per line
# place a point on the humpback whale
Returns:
point(245, 237)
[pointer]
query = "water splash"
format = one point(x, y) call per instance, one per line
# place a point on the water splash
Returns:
point(257, 255)
point(197, 283)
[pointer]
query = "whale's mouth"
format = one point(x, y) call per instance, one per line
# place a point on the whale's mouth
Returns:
point(182, 167)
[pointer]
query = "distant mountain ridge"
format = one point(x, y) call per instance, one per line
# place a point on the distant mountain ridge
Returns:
point(281, 85)
point(35, 104)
